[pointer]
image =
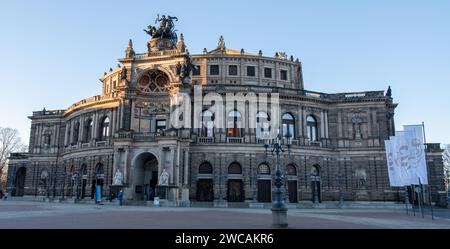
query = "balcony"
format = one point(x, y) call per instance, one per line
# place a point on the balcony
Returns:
point(205, 140)
point(235, 140)
point(100, 143)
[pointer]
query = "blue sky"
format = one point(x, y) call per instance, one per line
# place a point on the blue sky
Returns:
point(54, 52)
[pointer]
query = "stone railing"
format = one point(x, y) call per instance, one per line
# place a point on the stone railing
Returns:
point(18, 155)
point(84, 146)
point(205, 140)
point(90, 100)
point(100, 143)
point(48, 112)
point(157, 53)
point(235, 140)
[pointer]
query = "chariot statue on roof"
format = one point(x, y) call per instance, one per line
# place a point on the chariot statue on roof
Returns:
point(166, 29)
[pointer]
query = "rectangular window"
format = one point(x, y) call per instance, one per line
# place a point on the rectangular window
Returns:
point(196, 70)
point(232, 70)
point(251, 71)
point(267, 72)
point(214, 70)
point(283, 75)
point(160, 125)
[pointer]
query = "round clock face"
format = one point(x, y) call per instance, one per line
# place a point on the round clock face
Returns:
point(153, 81)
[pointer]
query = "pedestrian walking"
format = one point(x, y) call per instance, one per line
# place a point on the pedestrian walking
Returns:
point(120, 197)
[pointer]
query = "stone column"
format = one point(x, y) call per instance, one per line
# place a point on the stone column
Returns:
point(186, 167)
point(322, 125)
point(123, 157)
point(95, 126)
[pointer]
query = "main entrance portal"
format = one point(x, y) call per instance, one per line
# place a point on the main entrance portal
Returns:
point(145, 176)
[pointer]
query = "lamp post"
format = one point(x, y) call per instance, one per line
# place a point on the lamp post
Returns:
point(279, 210)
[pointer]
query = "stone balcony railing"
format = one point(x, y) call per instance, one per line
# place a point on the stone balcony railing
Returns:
point(84, 146)
point(146, 136)
point(205, 140)
point(235, 140)
point(157, 53)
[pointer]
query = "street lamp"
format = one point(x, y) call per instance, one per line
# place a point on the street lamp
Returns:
point(279, 210)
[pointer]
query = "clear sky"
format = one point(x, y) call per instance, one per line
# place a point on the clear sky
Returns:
point(54, 52)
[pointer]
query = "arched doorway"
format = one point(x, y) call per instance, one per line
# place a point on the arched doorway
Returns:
point(291, 172)
point(264, 183)
point(205, 183)
point(235, 191)
point(145, 179)
point(99, 177)
point(84, 180)
point(315, 184)
point(72, 181)
point(20, 181)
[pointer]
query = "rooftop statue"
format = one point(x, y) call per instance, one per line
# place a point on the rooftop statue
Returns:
point(166, 29)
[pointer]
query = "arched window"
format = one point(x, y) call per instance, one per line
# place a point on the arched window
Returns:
point(311, 127)
point(83, 170)
point(288, 125)
point(291, 170)
point(72, 174)
point(68, 134)
point(207, 124)
point(205, 168)
point(99, 170)
point(234, 124)
point(104, 128)
point(264, 169)
point(235, 168)
point(88, 125)
point(76, 132)
point(262, 125)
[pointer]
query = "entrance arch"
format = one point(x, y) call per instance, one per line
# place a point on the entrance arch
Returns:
point(235, 192)
point(20, 181)
point(205, 190)
point(145, 177)
point(98, 179)
point(315, 184)
point(264, 183)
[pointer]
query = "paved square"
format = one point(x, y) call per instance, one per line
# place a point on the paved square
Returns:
point(23, 214)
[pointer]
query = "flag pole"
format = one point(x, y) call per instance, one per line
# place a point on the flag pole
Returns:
point(428, 175)
point(419, 197)
point(413, 197)
point(406, 200)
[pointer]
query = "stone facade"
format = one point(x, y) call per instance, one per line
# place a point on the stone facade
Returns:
point(127, 128)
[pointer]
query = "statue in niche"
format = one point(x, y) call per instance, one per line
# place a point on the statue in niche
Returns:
point(356, 123)
point(118, 178)
point(361, 178)
point(164, 178)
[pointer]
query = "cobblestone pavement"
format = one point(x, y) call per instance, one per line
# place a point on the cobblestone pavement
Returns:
point(23, 214)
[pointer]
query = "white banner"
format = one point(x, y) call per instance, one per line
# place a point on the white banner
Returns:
point(405, 157)
point(416, 153)
point(394, 178)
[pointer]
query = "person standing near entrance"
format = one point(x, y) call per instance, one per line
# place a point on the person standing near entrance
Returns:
point(120, 197)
